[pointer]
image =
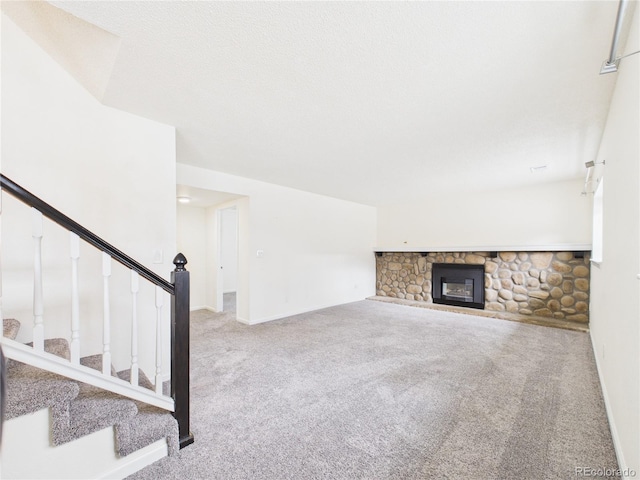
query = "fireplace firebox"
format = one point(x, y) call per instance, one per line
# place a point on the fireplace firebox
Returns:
point(458, 284)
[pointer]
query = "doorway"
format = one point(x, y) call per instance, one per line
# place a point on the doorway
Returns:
point(228, 259)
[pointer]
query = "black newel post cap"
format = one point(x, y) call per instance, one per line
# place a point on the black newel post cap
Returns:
point(180, 261)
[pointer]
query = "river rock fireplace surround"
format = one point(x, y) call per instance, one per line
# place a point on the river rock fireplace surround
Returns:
point(552, 284)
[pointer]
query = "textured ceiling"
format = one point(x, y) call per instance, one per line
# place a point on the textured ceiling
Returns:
point(375, 102)
point(90, 60)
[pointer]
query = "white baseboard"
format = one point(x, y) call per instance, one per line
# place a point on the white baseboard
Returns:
point(294, 312)
point(203, 307)
point(287, 314)
point(622, 464)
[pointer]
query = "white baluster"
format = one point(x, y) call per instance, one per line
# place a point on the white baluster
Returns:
point(106, 332)
point(1, 316)
point(159, 294)
point(74, 241)
point(38, 304)
point(134, 327)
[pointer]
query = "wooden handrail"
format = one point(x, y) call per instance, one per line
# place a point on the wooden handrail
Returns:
point(61, 219)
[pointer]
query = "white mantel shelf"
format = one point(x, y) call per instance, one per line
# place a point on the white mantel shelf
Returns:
point(563, 247)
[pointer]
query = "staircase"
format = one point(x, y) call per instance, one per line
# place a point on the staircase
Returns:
point(83, 399)
point(78, 409)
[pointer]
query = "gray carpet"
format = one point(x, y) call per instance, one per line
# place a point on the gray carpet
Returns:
point(229, 302)
point(380, 391)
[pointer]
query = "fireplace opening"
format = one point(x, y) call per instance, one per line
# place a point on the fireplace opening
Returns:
point(463, 291)
point(458, 284)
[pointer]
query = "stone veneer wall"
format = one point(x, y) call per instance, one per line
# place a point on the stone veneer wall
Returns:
point(545, 284)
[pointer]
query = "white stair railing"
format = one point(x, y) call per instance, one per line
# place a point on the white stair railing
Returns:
point(106, 316)
point(1, 314)
point(38, 301)
point(135, 287)
point(159, 303)
point(75, 299)
point(37, 356)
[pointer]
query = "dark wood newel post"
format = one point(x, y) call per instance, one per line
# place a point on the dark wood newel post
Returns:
point(180, 348)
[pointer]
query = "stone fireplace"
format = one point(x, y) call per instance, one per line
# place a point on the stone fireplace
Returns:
point(553, 284)
point(458, 284)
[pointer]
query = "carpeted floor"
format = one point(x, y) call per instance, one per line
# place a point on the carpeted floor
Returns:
point(370, 390)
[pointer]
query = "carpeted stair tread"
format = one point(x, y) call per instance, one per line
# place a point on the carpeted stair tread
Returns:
point(10, 328)
point(30, 389)
point(56, 346)
point(95, 362)
point(151, 423)
point(143, 380)
point(85, 415)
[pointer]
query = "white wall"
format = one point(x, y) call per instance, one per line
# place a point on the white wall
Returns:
point(111, 171)
point(229, 248)
point(192, 242)
point(547, 215)
point(317, 251)
point(615, 289)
